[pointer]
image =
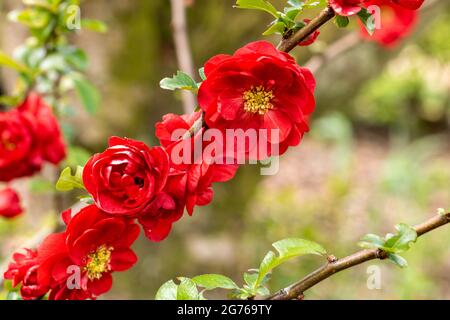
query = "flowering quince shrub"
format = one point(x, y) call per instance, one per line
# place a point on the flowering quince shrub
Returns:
point(30, 135)
point(48, 67)
point(130, 186)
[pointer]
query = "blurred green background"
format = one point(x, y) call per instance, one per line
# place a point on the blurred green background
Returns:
point(378, 152)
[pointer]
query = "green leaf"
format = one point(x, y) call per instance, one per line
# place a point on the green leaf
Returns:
point(7, 61)
point(35, 19)
point(368, 20)
point(202, 74)
point(341, 21)
point(179, 81)
point(287, 249)
point(292, 13)
point(168, 291)
point(398, 260)
point(75, 57)
point(401, 241)
point(262, 5)
point(94, 25)
point(278, 28)
point(88, 94)
point(250, 278)
point(67, 181)
point(213, 281)
point(370, 241)
point(187, 290)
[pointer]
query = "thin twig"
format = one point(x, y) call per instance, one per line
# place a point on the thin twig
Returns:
point(297, 289)
point(292, 41)
point(183, 49)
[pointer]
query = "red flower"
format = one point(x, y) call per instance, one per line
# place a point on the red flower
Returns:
point(345, 7)
point(409, 4)
point(48, 132)
point(311, 38)
point(76, 264)
point(189, 184)
point(9, 203)
point(257, 88)
point(126, 177)
point(29, 135)
point(23, 270)
point(396, 23)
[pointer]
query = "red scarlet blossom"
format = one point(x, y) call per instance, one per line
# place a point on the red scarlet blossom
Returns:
point(29, 136)
point(409, 4)
point(9, 203)
point(77, 264)
point(190, 179)
point(396, 23)
point(126, 177)
point(258, 88)
point(23, 270)
point(345, 7)
point(311, 38)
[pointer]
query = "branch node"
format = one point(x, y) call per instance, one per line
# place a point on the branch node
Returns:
point(331, 258)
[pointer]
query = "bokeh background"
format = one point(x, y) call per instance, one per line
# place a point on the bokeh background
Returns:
point(378, 152)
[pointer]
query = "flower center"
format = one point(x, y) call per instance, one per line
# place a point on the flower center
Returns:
point(98, 262)
point(258, 100)
point(7, 144)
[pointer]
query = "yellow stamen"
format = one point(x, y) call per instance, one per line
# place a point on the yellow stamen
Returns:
point(258, 100)
point(98, 262)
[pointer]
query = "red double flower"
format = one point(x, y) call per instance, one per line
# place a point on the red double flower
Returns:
point(29, 136)
point(258, 88)
point(352, 7)
point(126, 177)
point(77, 264)
point(396, 21)
point(190, 178)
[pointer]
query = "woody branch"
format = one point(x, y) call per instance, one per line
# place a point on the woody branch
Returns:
point(334, 265)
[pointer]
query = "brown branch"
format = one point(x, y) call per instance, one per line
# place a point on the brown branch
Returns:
point(183, 49)
point(289, 43)
point(335, 265)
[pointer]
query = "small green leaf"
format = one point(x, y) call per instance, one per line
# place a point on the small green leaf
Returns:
point(88, 94)
point(250, 278)
point(179, 81)
point(94, 25)
point(213, 281)
point(341, 21)
point(441, 211)
point(168, 291)
point(398, 260)
point(202, 74)
point(68, 182)
point(287, 249)
point(368, 20)
point(401, 241)
point(258, 5)
point(35, 19)
point(275, 28)
point(7, 61)
point(187, 290)
point(370, 241)
point(75, 57)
